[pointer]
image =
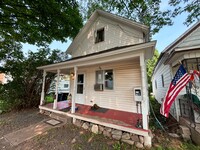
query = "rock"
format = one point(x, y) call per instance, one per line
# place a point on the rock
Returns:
point(1, 111)
point(101, 128)
point(106, 133)
point(116, 137)
point(147, 141)
point(184, 130)
point(186, 137)
point(117, 132)
point(108, 129)
point(135, 138)
point(139, 145)
point(174, 135)
point(73, 141)
point(95, 129)
point(85, 125)
point(47, 113)
point(128, 141)
point(126, 136)
point(78, 123)
point(141, 138)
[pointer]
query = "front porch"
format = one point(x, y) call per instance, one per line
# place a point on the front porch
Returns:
point(120, 120)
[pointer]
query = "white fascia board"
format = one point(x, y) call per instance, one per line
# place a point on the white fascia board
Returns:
point(186, 48)
point(86, 60)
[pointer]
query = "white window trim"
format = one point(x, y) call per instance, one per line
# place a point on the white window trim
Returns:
point(95, 35)
point(105, 89)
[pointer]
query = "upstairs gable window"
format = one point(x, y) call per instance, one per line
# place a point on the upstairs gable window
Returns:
point(99, 35)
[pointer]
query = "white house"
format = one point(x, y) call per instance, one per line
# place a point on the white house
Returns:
point(108, 68)
point(185, 49)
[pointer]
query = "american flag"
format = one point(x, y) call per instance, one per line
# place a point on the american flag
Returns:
point(179, 81)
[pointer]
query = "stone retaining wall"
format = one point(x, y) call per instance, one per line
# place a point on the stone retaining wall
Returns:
point(126, 137)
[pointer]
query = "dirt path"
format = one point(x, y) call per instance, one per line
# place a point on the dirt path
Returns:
point(70, 137)
point(66, 137)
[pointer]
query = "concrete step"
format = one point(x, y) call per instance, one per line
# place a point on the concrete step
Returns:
point(184, 130)
point(61, 117)
point(58, 116)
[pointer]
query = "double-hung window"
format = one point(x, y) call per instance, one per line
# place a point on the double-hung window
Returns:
point(105, 78)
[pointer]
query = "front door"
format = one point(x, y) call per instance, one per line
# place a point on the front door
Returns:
point(80, 93)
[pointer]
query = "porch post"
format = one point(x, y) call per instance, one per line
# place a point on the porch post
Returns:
point(43, 85)
point(56, 92)
point(145, 102)
point(74, 90)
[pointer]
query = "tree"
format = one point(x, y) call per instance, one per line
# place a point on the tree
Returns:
point(150, 67)
point(191, 7)
point(145, 11)
point(38, 22)
point(25, 88)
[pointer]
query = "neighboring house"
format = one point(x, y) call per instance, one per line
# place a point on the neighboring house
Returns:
point(63, 87)
point(108, 68)
point(185, 49)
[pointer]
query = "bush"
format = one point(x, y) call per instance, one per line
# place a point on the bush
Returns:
point(155, 110)
point(49, 99)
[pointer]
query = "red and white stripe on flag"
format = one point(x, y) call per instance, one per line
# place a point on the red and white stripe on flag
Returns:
point(179, 81)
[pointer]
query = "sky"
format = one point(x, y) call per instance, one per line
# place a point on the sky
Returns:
point(164, 37)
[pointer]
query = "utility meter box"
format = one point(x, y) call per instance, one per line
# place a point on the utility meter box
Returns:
point(137, 94)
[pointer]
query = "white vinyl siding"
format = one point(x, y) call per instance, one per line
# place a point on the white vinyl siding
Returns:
point(115, 35)
point(160, 91)
point(191, 40)
point(127, 75)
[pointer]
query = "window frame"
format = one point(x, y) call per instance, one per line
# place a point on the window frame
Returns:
point(67, 86)
point(96, 40)
point(163, 81)
point(104, 80)
point(156, 86)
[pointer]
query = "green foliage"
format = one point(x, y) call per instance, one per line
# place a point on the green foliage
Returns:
point(188, 145)
point(145, 11)
point(49, 99)
point(155, 110)
point(150, 67)
point(25, 88)
point(38, 22)
point(191, 8)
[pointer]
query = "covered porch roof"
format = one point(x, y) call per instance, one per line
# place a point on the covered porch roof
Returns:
point(180, 54)
point(110, 55)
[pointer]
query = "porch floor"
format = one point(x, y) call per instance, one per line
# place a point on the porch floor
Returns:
point(117, 117)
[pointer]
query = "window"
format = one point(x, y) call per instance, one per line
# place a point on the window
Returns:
point(163, 83)
point(105, 77)
point(156, 84)
point(80, 83)
point(99, 77)
point(66, 85)
point(109, 79)
point(99, 35)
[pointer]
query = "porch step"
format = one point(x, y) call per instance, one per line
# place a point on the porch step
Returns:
point(63, 118)
point(58, 116)
point(185, 132)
